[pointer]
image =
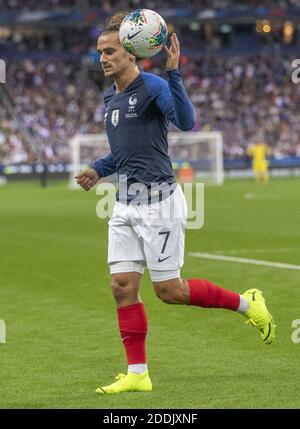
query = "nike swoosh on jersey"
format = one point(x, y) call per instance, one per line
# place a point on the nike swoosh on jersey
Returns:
point(129, 37)
point(162, 260)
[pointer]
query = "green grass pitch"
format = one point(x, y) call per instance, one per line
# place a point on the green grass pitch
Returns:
point(62, 339)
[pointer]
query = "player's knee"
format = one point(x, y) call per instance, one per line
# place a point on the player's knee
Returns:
point(120, 289)
point(123, 287)
point(166, 293)
point(174, 291)
point(161, 293)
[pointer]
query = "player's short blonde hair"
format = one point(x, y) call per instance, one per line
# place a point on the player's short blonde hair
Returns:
point(113, 23)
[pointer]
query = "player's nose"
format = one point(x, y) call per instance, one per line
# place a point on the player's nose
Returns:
point(102, 59)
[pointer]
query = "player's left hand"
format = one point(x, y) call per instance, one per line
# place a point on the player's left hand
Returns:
point(87, 178)
point(173, 53)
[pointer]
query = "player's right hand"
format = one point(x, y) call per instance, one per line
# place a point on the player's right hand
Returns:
point(87, 178)
point(173, 53)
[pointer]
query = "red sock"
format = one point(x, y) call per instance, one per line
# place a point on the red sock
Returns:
point(205, 294)
point(133, 328)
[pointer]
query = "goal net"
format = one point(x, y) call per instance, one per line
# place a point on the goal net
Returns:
point(195, 156)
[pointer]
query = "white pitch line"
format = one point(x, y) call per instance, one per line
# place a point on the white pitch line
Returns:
point(245, 261)
point(239, 251)
point(250, 196)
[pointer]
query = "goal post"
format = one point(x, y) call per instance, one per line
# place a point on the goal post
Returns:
point(85, 149)
point(199, 152)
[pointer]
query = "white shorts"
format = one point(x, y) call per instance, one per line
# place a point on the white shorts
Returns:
point(148, 236)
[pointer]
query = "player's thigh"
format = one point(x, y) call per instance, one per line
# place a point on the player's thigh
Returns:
point(124, 245)
point(163, 234)
point(172, 291)
point(165, 251)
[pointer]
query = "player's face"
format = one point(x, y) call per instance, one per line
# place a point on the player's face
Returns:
point(114, 59)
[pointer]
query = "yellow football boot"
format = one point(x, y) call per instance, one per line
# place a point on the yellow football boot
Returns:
point(128, 383)
point(259, 316)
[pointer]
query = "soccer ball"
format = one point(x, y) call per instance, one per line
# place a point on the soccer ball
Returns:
point(143, 33)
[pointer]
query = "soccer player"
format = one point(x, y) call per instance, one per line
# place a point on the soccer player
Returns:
point(139, 107)
point(259, 152)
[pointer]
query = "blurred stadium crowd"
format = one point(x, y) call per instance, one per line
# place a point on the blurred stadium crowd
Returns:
point(131, 4)
point(245, 97)
point(248, 97)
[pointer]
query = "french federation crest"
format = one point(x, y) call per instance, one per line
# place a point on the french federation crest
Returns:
point(132, 100)
point(115, 117)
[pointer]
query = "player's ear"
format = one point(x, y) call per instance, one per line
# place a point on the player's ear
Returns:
point(132, 58)
point(135, 59)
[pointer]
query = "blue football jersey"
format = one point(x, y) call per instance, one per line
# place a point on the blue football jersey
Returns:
point(137, 121)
